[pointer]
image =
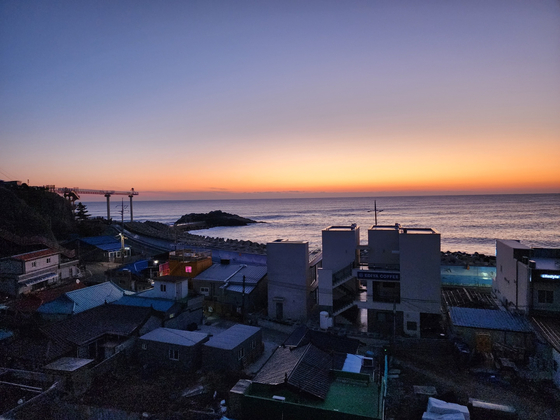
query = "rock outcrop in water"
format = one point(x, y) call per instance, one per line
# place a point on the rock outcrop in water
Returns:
point(213, 219)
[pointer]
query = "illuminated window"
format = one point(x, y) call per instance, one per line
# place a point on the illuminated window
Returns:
point(188, 269)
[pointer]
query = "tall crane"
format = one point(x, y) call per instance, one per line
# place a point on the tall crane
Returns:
point(72, 194)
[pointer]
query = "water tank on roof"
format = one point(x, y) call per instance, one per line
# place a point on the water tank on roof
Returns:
point(324, 320)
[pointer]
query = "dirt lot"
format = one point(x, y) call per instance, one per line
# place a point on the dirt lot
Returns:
point(532, 400)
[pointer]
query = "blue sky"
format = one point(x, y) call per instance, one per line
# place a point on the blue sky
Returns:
point(219, 99)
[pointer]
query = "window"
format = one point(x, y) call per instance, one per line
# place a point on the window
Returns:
point(546, 296)
point(188, 269)
point(144, 346)
point(163, 287)
point(253, 344)
point(241, 353)
point(34, 264)
point(48, 260)
point(174, 354)
point(411, 326)
point(205, 291)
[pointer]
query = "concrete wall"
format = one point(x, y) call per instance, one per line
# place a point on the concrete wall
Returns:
point(214, 358)
point(420, 272)
point(173, 290)
point(288, 282)
point(512, 276)
point(339, 247)
point(556, 373)
point(157, 354)
point(383, 247)
point(42, 263)
point(550, 286)
point(9, 266)
point(184, 319)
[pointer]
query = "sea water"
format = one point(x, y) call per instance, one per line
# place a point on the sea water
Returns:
point(467, 223)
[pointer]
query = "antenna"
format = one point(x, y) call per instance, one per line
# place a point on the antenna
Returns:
point(375, 210)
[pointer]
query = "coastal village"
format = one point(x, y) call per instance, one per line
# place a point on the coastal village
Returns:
point(147, 321)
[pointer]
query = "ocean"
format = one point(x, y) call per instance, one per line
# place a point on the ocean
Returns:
point(467, 223)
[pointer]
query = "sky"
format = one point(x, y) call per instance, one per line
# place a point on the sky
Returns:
point(260, 99)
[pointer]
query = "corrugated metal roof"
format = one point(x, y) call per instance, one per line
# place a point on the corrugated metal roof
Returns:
point(550, 330)
point(61, 305)
point(232, 337)
point(89, 325)
point(135, 267)
point(106, 243)
point(233, 273)
point(28, 256)
point(161, 305)
point(81, 300)
point(488, 319)
point(39, 279)
point(173, 336)
point(305, 368)
point(237, 288)
point(93, 296)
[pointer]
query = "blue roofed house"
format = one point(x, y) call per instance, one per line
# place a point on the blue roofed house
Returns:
point(77, 301)
point(103, 248)
point(179, 314)
point(134, 276)
point(493, 330)
point(227, 287)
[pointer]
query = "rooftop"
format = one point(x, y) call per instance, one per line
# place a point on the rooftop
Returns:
point(232, 337)
point(89, 325)
point(233, 274)
point(68, 364)
point(29, 256)
point(404, 230)
point(488, 319)
point(173, 336)
point(342, 228)
point(80, 300)
point(158, 304)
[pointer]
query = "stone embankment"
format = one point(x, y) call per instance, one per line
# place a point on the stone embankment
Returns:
point(462, 258)
point(169, 233)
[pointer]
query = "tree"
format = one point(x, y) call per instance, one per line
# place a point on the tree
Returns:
point(81, 212)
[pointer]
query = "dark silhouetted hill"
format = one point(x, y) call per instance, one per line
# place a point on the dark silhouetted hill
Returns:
point(32, 211)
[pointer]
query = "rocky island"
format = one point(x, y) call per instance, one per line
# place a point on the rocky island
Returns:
point(212, 219)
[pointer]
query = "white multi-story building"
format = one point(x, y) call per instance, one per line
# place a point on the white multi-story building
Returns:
point(527, 279)
point(292, 279)
point(402, 277)
point(24, 273)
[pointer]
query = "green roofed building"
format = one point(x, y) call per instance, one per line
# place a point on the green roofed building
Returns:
point(306, 382)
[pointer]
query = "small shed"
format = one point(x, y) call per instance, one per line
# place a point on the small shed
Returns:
point(233, 349)
point(496, 327)
point(172, 348)
point(74, 372)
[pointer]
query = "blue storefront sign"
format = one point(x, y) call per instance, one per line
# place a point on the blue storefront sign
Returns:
point(375, 275)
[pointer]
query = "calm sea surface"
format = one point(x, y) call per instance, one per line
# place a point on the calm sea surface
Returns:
point(467, 223)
